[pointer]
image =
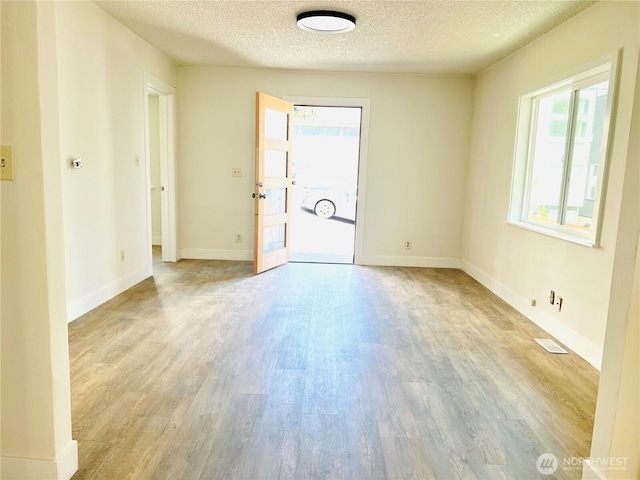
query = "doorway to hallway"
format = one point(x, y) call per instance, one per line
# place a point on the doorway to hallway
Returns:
point(153, 113)
point(326, 145)
point(159, 124)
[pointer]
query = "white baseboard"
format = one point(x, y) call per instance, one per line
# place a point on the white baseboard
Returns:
point(79, 307)
point(63, 468)
point(156, 240)
point(402, 261)
point(381, 260)
point(208, 254)
point(580, 345)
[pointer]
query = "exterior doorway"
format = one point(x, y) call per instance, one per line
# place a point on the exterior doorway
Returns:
point(326, 145)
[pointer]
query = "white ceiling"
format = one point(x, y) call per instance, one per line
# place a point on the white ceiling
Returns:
point(428, 36)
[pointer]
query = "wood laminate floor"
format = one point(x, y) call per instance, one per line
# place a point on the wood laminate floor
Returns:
point(314, 371)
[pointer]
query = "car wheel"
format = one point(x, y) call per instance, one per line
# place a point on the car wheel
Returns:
point(325, 209)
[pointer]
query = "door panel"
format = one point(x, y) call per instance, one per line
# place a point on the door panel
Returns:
point(276, 201)
point(275, 164)
point(273, 182)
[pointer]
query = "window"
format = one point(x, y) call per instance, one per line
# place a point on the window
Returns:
point(561, 153)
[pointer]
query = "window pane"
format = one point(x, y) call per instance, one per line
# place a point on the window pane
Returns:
point(273, 238)
point(558, 128)
point(276, 201)
point(275, 163)
point(587, 152)
point(545, 187)
point(560, 158)
point(275, 124)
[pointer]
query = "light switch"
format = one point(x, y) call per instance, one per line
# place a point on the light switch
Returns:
point(7, 166)
point(236, 172)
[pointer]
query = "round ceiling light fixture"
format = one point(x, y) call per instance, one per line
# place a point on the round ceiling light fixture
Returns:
point(326, 21)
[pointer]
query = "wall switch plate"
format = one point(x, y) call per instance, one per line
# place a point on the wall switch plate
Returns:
point(236, 172)
point(7, 165)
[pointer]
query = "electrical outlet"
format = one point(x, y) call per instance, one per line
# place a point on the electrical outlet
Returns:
point(552, 297)
point(238, 238)
point(122, 255)
point(407, 245)
point(236, 172)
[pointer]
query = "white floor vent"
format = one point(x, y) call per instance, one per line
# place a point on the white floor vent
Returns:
point(550, 346)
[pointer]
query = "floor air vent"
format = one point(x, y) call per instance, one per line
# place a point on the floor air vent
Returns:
point(550, 346)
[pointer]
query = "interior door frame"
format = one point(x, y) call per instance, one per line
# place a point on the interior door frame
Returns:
point(166, 102)
point(365, 105)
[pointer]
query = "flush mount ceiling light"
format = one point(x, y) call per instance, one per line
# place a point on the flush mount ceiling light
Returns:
point(326, 21)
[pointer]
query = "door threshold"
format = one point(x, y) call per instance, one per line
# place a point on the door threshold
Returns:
point(322, 258)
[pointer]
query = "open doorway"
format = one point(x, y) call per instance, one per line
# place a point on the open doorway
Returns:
point(326, 142)
point(159, 101)
point(156, 183)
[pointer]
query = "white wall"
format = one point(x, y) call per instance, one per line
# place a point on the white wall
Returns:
point(519, 264)
point(101, 66)
point(625, 441)
point(154, 160)
point(35, 391)
point(616, 428)
point(416, 170)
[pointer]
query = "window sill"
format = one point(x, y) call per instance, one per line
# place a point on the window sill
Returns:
point(554, 233)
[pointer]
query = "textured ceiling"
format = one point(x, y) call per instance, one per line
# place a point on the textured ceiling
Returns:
point(437, 37)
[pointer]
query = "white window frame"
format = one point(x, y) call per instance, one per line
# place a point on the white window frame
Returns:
point(605, 68)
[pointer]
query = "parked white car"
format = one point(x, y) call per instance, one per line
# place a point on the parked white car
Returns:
point(327, 202)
